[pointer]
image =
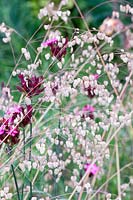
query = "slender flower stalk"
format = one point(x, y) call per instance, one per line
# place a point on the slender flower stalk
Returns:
point(13, 171)
point(22, 192)
point(24, 142)
point(15, 180)
point(30, 141)
point(30, 195)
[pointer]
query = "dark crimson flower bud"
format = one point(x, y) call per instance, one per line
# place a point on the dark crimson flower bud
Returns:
point(54, 88)
point(30, 86)
point(90, 89)
point(27, 115)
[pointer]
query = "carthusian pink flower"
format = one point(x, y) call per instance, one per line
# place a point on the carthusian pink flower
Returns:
point(88, 110)
point(49, 42)
point(15, 117)
point(30, 86)
point(8, 132)
point(96, 76)
point(19, 115)
point(93, 169)
point(56, 51)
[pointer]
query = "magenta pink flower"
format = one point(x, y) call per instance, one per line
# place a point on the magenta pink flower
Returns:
point(18, 116)
point(96, 76)
point(22, 114)
point(56, 51)
point(30, 86)
point(8, 132)
point(92, 169)
point(13, 109)
point(15, 117)
point(88, 110)
point(49, 42)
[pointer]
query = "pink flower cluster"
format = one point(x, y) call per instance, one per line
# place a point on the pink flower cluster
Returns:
point(19, 116)
point(15, 117)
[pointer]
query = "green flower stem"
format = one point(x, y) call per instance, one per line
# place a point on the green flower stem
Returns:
point(24, 142)
point(30, 190)
point(15, 180)
point(30, 139)
point(9, 151)
point(30, 195)
point(22, 192)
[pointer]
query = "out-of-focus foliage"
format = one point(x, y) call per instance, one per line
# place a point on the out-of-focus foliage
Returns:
point(37, 4)
point(22, 16)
